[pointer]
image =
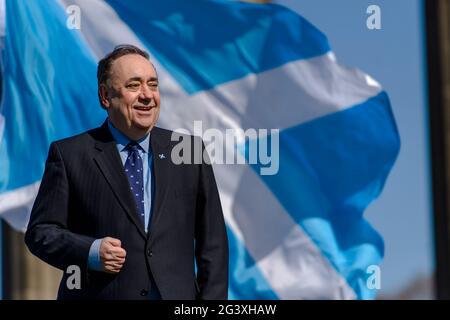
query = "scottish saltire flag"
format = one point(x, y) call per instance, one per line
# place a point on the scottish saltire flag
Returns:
point(296, 234)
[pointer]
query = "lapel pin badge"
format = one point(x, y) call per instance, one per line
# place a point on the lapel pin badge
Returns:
point(162, 156)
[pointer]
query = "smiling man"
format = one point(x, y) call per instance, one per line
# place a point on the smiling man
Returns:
point(113, 203)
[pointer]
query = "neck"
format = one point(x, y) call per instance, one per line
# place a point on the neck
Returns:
point(135, 135)
point(131, 133)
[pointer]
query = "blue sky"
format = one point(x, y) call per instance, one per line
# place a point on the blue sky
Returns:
point(395, 56)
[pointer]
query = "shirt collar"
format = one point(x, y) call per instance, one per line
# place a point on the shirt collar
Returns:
point(122, 140)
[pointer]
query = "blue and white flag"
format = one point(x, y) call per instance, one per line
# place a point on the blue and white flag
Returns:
point(297, 233)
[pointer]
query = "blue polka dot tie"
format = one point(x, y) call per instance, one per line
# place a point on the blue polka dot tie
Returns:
point(134, 172)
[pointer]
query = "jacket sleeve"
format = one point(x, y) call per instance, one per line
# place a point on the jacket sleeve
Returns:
point(47, 235)
point(211, 243)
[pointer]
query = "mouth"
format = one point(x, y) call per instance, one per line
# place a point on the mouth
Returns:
point(143, 108)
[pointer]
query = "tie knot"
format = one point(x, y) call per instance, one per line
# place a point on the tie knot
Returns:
point(133, 147)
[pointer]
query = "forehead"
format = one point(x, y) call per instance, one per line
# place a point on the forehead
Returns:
point(130, 66)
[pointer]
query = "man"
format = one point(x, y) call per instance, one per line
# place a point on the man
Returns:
point(113, 203)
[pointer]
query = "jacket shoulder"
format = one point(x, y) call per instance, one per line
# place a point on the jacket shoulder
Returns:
point(82, 140)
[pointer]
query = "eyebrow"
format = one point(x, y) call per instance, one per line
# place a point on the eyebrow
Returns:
point(139, 79)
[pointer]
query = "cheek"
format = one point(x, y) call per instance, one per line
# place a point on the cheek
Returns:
point(130, 99)
point(126, 104)
point(117, 106)
point(123, 101)
point(156, 115)
point(123, 105)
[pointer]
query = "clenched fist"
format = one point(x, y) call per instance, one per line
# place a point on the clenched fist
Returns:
point(112, 255)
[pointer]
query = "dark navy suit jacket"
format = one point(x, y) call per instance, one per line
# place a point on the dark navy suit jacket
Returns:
point(85, 195)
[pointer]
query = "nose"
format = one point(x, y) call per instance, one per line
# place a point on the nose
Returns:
point(146, 95)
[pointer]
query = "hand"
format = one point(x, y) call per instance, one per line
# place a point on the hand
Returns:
point(112, 255)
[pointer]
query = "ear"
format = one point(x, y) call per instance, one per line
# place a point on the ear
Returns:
point(103, 94)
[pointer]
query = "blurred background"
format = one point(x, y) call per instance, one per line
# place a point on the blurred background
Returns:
point(410, 56)
point(395, 55)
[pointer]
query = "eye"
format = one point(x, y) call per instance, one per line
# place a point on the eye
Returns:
point(153, 84)
point(133, 85)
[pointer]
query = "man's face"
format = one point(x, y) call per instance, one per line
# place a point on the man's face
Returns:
point(131, 95)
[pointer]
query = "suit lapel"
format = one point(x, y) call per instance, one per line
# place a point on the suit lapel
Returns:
point(161, 172)
point(108, 160)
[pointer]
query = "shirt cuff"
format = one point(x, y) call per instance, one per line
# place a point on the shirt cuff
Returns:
point(94, 262)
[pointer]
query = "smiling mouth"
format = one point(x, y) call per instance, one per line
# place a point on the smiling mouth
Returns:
point(143, 108)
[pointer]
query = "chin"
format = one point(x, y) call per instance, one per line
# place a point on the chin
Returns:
point(144, 125)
